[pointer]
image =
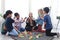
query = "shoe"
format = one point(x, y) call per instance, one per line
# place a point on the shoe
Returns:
point(31, 37)
point(37, 36)
point(21, 35)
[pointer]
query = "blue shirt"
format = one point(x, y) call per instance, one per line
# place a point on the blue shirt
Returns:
point(47, 19)
point(8, 24)
point(39, 21)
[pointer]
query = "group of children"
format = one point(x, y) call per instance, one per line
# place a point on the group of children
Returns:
point(13, 26)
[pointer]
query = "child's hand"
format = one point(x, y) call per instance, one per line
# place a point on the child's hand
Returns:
point(37, 24)
point(41, 17)
point(5, 28)
point(25, 18)
point(33, 28)
point(44, 24)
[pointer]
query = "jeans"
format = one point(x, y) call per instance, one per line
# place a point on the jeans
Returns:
point(13, 33)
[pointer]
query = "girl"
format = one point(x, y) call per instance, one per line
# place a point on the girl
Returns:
point(30, 24)
point(39, 21)
point(4, 29)
point(18, 23)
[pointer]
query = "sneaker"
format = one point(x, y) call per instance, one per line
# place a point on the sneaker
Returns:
point(21, 35)
point(30, 38)
point(37, 36)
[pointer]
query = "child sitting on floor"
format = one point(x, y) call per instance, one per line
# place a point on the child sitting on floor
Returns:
point(39, 20)
point(8, 23)
point(18, 23)
point(30, 25)
point(4, 30)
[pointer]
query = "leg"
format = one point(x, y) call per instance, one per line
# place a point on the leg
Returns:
point(13, 32)
point(4, 32)
point(22, 29)
point(48, 33)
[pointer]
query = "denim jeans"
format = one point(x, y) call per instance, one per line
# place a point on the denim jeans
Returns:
point(13, 32)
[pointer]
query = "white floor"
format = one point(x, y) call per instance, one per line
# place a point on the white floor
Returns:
point(56, 39)
point(2, 37)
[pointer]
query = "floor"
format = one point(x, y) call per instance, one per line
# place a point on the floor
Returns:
point(2, 37)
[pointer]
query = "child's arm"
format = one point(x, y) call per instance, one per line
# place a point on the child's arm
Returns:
point(44, 24)
point(45, 20)
point(34, 24)
point(16, 20)
point(15, 28)
point(11, 20)
point(23, 20)
point(4, 28)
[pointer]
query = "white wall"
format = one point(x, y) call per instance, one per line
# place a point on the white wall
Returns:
point(20, 6)
point(38, 4)
point(23, 6)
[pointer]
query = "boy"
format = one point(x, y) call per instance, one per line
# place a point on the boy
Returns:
point(8, 24)
point(47, 22)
